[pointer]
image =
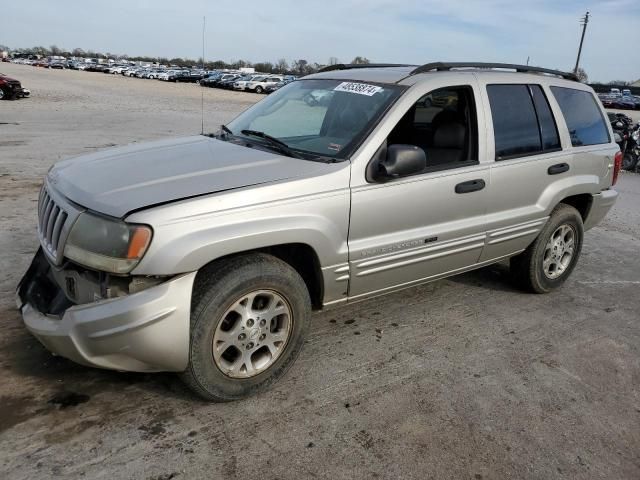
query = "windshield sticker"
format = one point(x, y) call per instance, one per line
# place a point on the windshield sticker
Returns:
point(334, 146)
point(359, 88)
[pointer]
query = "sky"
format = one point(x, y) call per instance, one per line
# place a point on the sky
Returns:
point(394, 31)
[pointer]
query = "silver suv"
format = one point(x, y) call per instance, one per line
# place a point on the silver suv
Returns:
point(206, 255)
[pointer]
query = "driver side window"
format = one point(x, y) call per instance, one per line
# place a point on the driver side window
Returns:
point(443, 124)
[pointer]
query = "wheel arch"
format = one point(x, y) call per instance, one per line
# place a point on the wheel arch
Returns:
point(299, 256)
point(581, 202)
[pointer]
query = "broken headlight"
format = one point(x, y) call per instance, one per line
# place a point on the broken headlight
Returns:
point(107, 244)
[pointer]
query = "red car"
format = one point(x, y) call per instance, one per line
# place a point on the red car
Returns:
point(11, 88)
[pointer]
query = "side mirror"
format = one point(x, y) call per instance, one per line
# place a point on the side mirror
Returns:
point(403, 160)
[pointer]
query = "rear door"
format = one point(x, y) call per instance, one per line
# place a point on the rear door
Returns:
point(544, 152)
point(525, 144)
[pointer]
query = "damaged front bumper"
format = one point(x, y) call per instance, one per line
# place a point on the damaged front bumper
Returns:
point(147, 331)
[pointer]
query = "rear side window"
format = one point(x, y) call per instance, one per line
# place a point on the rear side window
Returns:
point(582, 115)
point(522, 121)
point(515, 125)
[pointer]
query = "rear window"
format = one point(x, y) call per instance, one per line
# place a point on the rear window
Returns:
point(582, 115)
point(522, 121)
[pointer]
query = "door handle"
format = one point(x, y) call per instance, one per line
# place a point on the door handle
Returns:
point(559, 168)
point(470, 186)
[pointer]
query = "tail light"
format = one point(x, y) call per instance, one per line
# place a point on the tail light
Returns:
point(617, 165)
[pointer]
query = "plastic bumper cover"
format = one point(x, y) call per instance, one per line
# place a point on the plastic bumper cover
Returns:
point(602, 203)
point(146, 331)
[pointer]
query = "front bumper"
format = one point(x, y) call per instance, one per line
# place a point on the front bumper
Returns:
point(146, 331)
point(600, 206)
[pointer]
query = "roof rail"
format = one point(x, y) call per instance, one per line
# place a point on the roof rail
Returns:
point(349, 66)
point(441, 66)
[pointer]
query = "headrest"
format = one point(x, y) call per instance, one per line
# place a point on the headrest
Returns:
point(449, 135)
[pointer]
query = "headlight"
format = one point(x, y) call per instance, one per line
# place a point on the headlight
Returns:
point(107, 244)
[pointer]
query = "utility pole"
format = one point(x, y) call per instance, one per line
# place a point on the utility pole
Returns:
point(583, 21)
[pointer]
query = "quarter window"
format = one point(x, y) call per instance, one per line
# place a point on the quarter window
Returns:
point(548, 129)
point(522, 121)
point(582, 115)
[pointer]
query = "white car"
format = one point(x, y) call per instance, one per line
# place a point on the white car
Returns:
point(241, 84)
point(258, 86)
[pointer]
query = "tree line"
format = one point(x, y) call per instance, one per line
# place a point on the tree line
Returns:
point(299, 66)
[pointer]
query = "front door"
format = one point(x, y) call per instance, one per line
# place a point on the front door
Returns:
point(408, 230)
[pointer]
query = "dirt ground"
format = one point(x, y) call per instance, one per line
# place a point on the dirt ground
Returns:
point(470, 378)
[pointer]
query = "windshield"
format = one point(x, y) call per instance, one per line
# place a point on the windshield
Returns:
point(325, 117)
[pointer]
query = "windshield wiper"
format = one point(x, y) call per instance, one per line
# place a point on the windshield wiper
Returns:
point(226, 129)
point(279, 144)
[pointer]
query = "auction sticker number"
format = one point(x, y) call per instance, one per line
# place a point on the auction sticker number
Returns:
point(359, 88)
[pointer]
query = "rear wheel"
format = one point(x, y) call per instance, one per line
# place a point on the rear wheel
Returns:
point(629, 162)
point(550, 259)
point(2, 94)
point(249, 318)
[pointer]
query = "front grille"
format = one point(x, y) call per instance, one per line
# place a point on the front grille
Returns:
point(51, 221)
point(14, 85)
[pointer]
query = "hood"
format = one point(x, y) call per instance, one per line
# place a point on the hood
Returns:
point(123, 179)
point(4, 78)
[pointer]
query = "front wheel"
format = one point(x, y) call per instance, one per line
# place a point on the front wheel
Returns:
point(249, 318)
point(258, 89)
point(549, 260)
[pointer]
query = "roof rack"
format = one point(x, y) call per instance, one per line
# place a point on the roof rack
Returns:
point(441, 66)
point(349, 66)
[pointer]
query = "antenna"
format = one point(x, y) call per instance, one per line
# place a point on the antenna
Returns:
point(204, 20)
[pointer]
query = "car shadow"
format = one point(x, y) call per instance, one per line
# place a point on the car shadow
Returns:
point(492, 277)
point(22, 356)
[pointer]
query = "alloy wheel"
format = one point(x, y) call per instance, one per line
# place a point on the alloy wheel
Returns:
point(559, 251)
point(252, 334)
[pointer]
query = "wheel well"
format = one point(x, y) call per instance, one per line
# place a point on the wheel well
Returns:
point(303, 259)
point(581, 202)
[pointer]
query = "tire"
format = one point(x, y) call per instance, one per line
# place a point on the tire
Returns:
point(258, 89)
point(533, 270)
point(3, 95)
point(218, 296)
point(629, 162)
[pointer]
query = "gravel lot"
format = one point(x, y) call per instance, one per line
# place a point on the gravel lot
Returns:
point(470, 379)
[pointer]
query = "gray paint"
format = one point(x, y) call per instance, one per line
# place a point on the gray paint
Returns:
point(123, 179)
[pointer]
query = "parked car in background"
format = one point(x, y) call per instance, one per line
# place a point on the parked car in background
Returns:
point(10, 88)
point(241, 83)
point(258, 86)
point(273, 87)
point(209, 80)
point(187, 76)
point(626, 103)
point(227, 83)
